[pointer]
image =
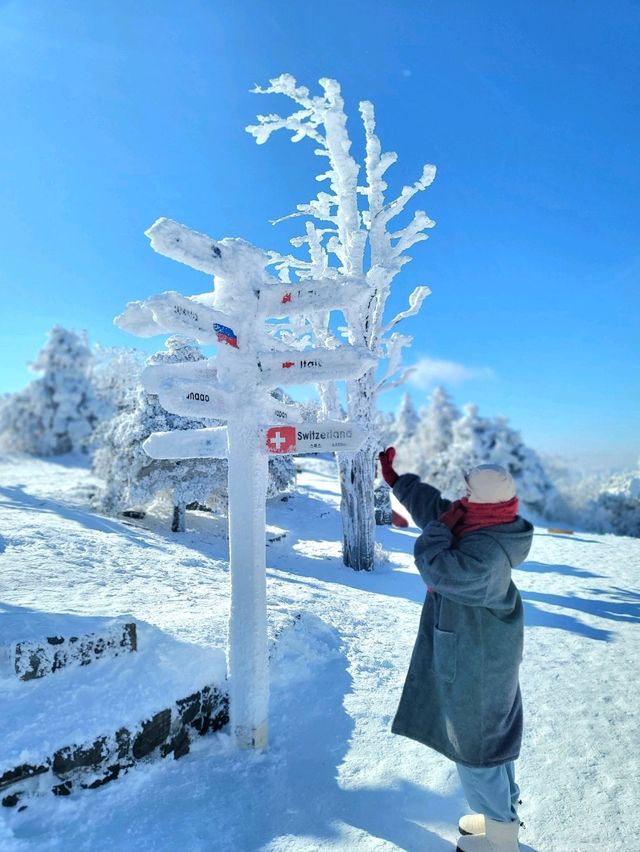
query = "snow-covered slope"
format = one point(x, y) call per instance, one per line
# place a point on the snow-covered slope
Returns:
point(334, 777)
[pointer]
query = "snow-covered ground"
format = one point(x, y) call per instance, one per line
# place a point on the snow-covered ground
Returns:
point(333, 777)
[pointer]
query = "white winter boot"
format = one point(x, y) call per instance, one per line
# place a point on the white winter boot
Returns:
point(498, 837)
point(471, 824)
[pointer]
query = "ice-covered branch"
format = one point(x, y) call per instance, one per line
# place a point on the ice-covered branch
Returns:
point(397, 206)
point(340, 207)
point(376, 163)
point(385, 386)
point(319, 208)
point(416, 299)
point(413, 233)
point(394, 346)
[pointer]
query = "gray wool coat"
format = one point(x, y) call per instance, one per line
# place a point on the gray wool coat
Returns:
point(462, 696)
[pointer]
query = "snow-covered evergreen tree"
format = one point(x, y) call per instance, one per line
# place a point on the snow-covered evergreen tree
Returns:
point(434, 432)
point(56, 413)
point(617, 508)
point(115, 373)
point(407, 419)
point(349, 219)
point(132, 478)
point(439, 454)
point(437, 419)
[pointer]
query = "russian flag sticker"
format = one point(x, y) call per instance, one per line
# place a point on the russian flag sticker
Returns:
point(225, 334)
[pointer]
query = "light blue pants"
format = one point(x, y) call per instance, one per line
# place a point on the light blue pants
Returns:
point(491, 791)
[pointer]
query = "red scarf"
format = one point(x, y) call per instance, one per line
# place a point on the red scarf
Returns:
point(464, 517)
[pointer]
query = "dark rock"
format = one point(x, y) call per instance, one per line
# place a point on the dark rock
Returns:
point(180, 744)
point(154, 732)
point(67, 759)
point(123, 743)
point(189, 708)
point(21, 773)
point(63, 789)
point(111, 773)
point(11, 800)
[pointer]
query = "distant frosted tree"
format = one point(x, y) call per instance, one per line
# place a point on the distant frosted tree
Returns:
point(437, 419)
point(407, 419)
point(534, 486)
point(386, 428)
point(434, 432)
point(350, 240)
point(132, 478)
point(476, 440)
point(617, 508)
point(115, 373)
point(56, 413)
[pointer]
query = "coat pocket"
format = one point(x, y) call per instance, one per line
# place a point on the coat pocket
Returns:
point(444, 654)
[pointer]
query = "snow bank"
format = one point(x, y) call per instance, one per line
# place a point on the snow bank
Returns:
point(76, 705)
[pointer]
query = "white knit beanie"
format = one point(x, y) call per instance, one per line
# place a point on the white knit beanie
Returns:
point(490, 483)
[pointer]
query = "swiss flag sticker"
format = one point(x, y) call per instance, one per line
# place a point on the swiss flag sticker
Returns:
point(281, 439)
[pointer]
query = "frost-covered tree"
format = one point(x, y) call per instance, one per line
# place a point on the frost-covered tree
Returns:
point(437, 419)
point(476, 440)
point(56, 413)
point(132, 478)
point(434, 432)
point(617, 507)
point(115, 373)
point(407, 419)
point(350, 241)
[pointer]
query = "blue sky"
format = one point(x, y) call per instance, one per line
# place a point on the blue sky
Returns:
point(114, 114)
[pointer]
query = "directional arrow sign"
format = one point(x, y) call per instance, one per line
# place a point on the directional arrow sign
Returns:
point(191, 398)
point(328, 436)
point(279, 412)
point(189, 444)
point(171, 312)
point(282, 300)
point(229, 258)
point(314, 365)
point(189, 388)
point(157, 376)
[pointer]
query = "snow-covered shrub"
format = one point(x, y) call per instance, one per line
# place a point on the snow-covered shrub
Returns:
point(351, 244)
point(56, 413)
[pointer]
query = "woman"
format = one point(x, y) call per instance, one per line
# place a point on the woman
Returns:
point(462, 695)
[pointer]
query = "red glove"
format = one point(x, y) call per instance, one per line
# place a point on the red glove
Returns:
point(386, 463)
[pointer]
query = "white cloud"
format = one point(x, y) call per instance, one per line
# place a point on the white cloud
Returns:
point(428, 372)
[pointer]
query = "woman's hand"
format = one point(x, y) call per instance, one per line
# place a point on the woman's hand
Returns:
point(386, 464)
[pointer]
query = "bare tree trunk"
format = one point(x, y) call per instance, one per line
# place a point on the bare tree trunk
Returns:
point(357, 474)
point(358, 510)
point(178, 522)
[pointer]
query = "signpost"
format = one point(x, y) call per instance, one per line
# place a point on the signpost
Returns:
point(211, 443)
point(313, 365)
point(171, 312)
point(283, 300)
point(329, 436)
point(235, 387)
